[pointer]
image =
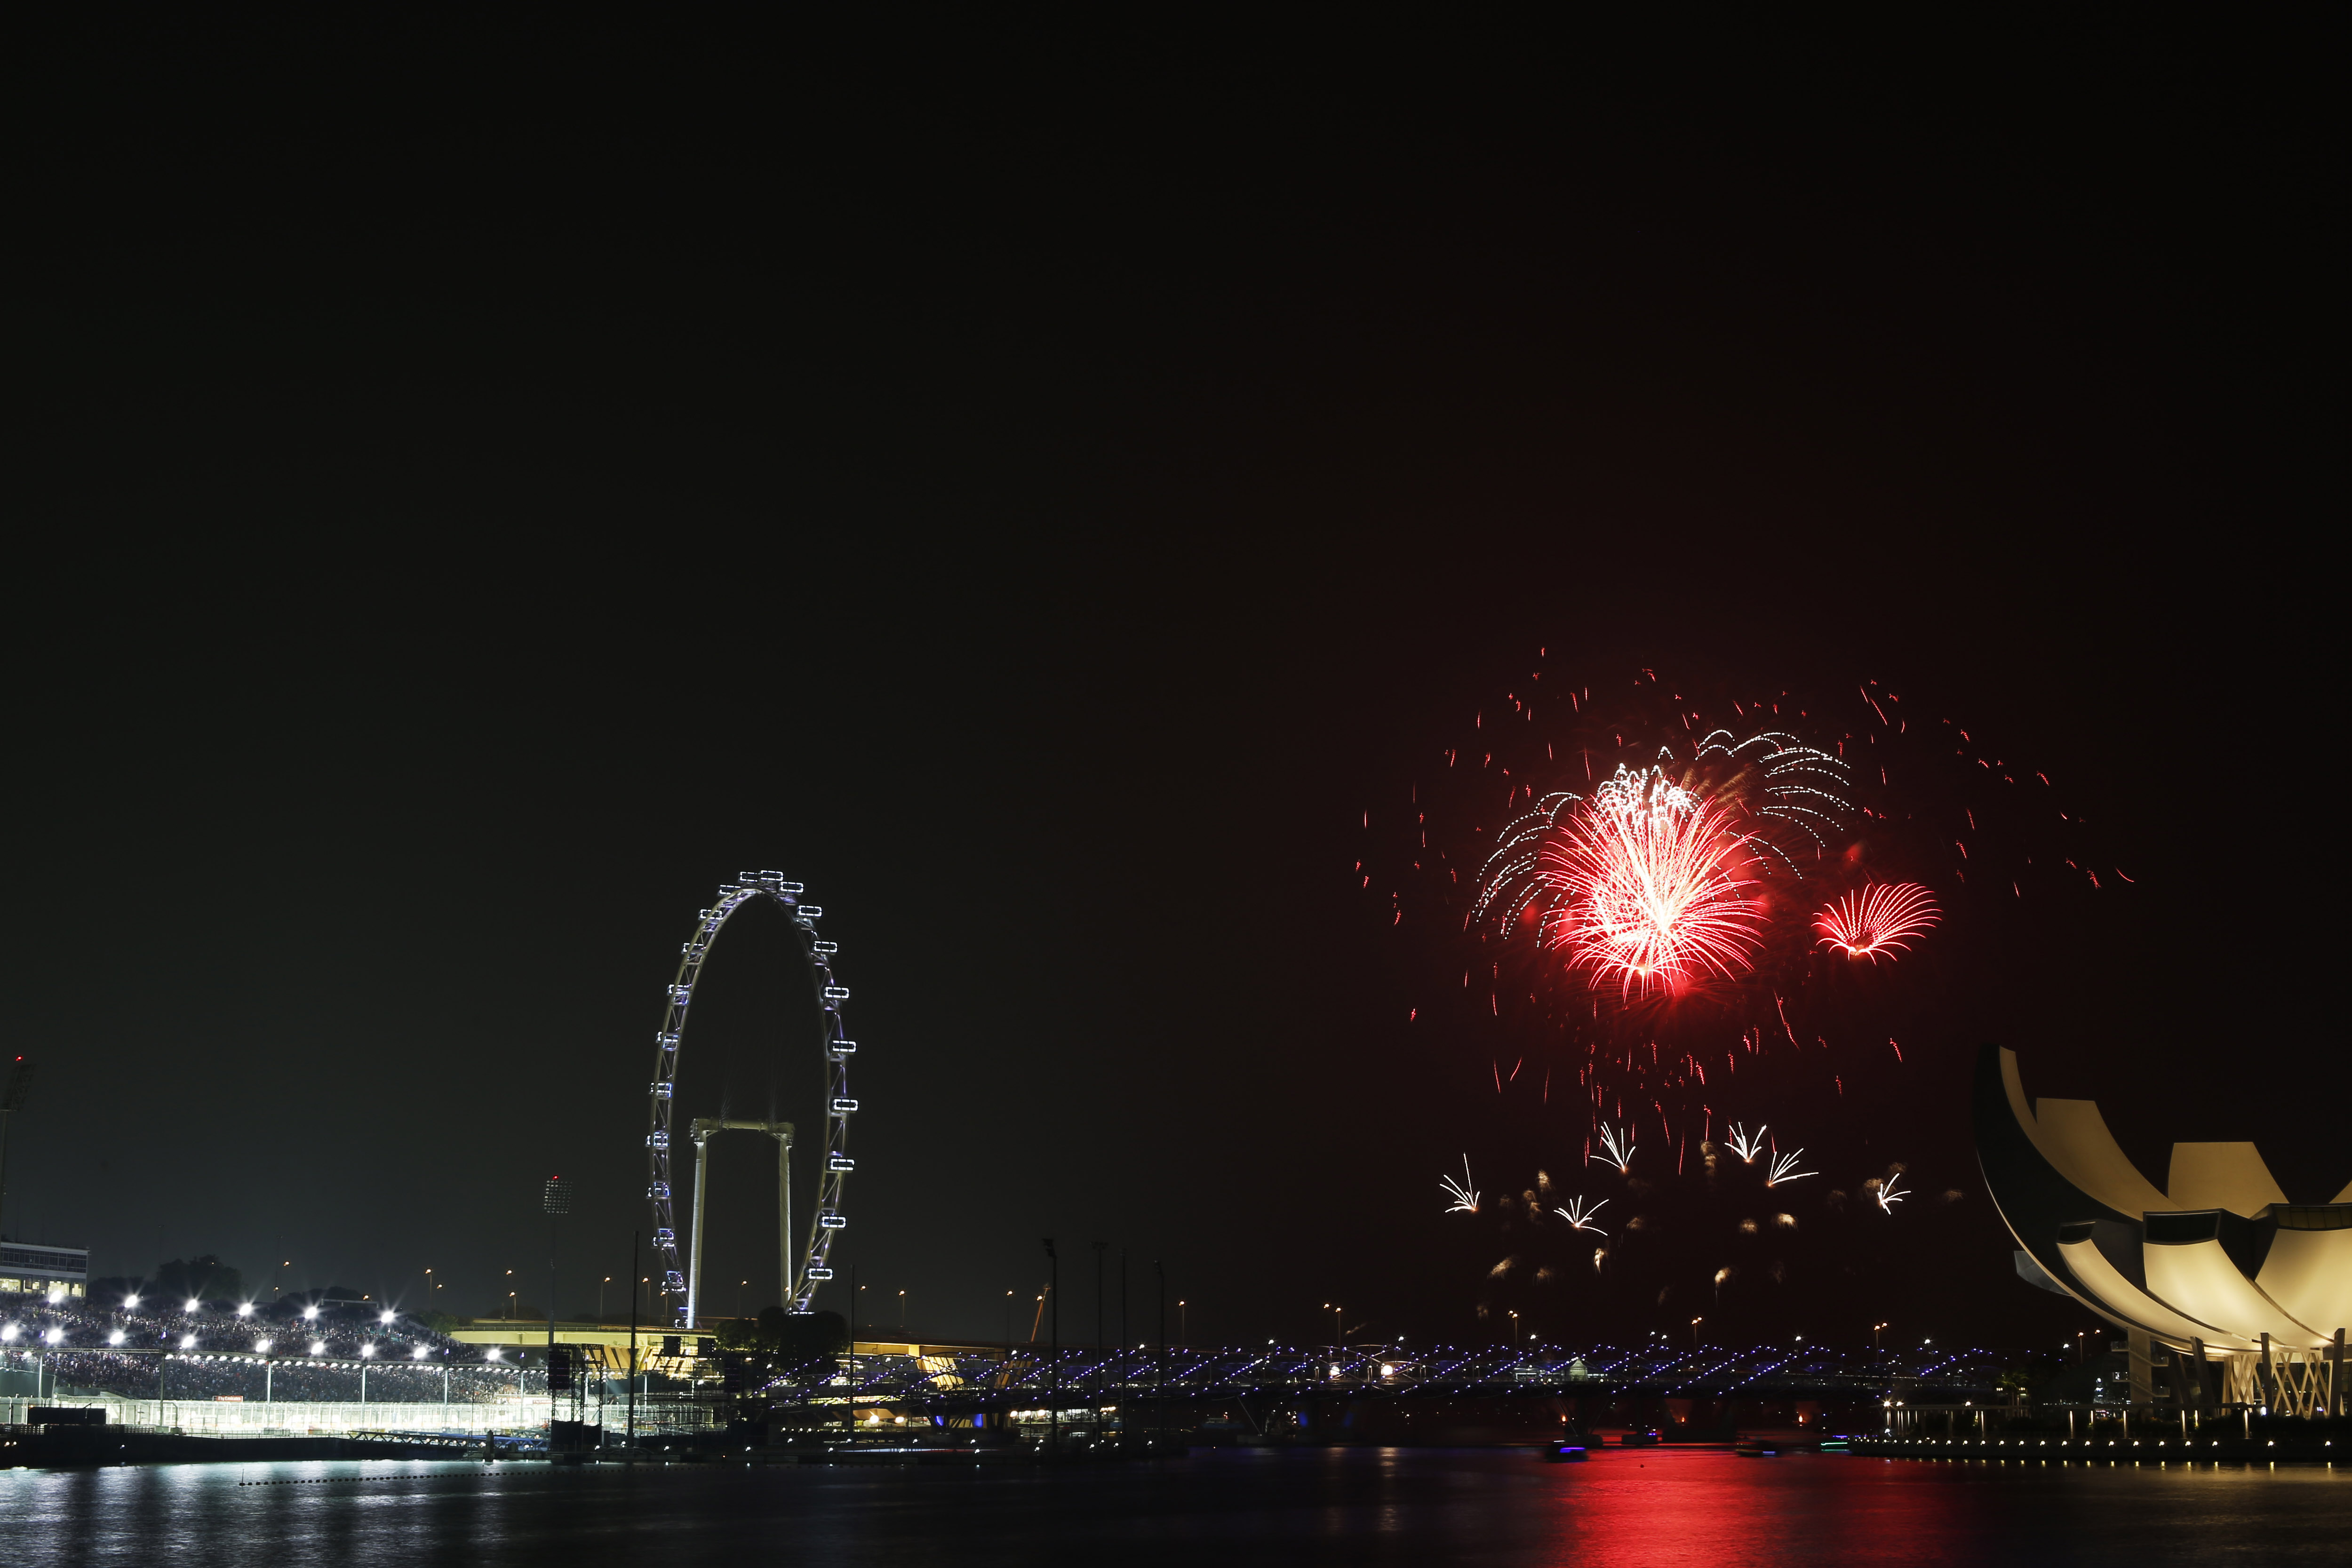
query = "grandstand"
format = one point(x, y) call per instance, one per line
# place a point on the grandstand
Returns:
point(300, 1365)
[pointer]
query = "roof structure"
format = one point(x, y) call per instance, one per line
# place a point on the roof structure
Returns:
point(2223, 1258)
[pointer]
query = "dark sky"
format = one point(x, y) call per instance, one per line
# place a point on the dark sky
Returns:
point(473, 495)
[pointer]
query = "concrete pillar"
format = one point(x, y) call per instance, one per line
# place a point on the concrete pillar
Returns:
point(2143, 1370)
point(694, 1244)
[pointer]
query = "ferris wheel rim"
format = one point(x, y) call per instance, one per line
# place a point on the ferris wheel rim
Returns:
point(832, 1176)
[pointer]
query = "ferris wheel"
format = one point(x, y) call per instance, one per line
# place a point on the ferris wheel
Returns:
point(803, 1274)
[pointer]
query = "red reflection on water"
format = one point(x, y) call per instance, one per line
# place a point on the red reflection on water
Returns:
point(1661, 1506)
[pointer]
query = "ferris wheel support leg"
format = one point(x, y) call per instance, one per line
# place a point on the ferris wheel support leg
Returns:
point(694, 1245)
point(784, 1214)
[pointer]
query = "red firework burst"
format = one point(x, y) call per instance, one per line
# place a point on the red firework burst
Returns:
point(1644, 885)
point(1884, 917)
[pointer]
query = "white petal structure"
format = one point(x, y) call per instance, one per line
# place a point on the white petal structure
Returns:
point(2223, 1261)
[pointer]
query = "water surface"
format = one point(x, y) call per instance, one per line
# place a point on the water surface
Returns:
point(1220, 1507)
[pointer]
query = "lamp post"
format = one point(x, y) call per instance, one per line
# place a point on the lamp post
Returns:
point(600, 1296)
point(1340, 1334)
point(1183, 1322)
point(633, 1352)
point(1099, 1366)
point(1874, 1329)
point(1054, 1352)
point(902, 1314)
point(1694, 1322)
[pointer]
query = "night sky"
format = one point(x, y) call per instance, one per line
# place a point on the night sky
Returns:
point(474, 495)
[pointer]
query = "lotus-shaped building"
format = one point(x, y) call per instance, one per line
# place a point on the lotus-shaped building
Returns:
point(2218, 1264)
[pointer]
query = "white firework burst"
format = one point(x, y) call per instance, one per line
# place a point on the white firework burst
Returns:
point(1465, 1195)
point(1580, 1218)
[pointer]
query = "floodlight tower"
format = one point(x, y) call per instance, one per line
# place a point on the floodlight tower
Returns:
point(556, 1198)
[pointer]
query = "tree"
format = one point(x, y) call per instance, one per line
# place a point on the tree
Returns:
point(786, 1336)
point(202, 1278)
point(807, 1337)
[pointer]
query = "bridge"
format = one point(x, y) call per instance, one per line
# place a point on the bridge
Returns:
point(968, 1381)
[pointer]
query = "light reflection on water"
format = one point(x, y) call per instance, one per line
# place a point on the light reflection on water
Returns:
point(1224, 1509)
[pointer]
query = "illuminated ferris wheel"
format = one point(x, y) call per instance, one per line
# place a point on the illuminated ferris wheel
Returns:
point(804, 1272)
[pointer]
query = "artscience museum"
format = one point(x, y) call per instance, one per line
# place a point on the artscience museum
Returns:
point(2229, 1294)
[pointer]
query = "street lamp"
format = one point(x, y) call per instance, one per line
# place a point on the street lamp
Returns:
point(902, 1312)
point(1338, 1333)
point(1694, 1322)
point(1183, 1334)
point(600, 1296)
point(1875, 1329)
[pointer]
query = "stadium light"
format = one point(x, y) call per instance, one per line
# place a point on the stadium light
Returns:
point(244, 1309)
point(114, 1338)
point(56, 1336)
point(310, 1313)
point(417, 1354)
point(131, 1302)
point(386, 1316)
point(493, 1355)
point(194, 1305)
point(318, 1347)
point(187, 1342)
point(263, 1345)
point(8, 1333)
point(368, 1349)
point(57, 1295)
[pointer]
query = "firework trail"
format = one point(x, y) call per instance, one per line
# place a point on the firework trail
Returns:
point(1890, 1193)
point(1874, 919)
point(1655, 915)
point(1644, 885)
point(1580, 1218)
point(1654, 881)
point(1656, 894)
point(1465, 1195)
